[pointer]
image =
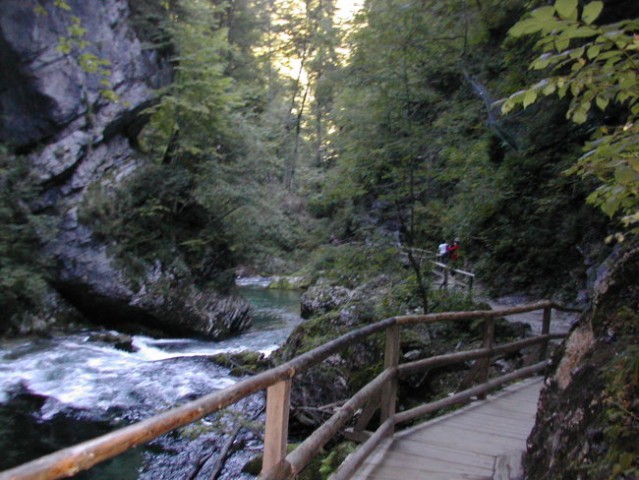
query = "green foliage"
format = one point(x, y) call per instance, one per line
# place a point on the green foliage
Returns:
point(154, 216)
point(76, 45)
point(208, 197)
point(351, 265)
point(193, 113)
point(596, 66)
point(622, 416)
point(420, 148)
point(335, 458)
point(397, 113)
point(24, 270)
point(402, 296)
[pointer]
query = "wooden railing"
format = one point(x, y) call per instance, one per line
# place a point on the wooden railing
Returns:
point(380, 393)
point(443, 268)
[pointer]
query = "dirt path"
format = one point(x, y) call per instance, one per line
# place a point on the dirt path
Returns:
point(560, 321)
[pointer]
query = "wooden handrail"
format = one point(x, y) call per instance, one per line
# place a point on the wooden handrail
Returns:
point(432, 258)
point(411, 368)
point(71, 460)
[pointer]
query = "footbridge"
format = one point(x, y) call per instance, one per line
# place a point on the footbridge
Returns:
point(495, 424)
point(485, 440)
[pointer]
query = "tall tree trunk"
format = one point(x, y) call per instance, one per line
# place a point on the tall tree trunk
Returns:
point(289, 177)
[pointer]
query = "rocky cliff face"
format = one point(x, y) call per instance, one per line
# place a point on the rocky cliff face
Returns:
point(588, 421)
point(51, 110)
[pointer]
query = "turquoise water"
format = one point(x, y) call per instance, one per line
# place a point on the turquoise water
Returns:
point(58, 391)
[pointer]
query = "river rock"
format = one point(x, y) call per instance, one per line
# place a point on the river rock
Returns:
point(120, 341)
point(52, 111)
point(322, 298)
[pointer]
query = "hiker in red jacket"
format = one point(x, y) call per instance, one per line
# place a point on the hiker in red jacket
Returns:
point(453, 253)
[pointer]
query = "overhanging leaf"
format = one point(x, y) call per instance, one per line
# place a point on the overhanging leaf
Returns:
point(526, 27)
point(566, 9)
point(543, 13)
point(530, 97)
point(625, 175)
point(593, 51)
point(591, 12)
point(602, 102)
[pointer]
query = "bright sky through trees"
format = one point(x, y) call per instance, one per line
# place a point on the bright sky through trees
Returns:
point(347, 8)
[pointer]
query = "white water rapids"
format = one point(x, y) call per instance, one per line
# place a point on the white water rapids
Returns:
point(74, 371)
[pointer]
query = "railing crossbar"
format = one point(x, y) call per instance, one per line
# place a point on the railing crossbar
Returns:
point(468, 394)
point(416, 366)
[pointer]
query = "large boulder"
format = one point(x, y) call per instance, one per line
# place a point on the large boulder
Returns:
point(322, 298)
point(52, 110)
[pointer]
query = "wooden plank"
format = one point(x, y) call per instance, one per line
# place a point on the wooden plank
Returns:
point(276, 428)
point(478, 442)
point(520, 403)
point(517, 408)
point(467, 395)
point(425, 463)
point(436, 452)
point(525, 411)
point(504, 395)
point(391, 475)
point(481, 427)
point(474, 422)
point(508, 423)
point(492, 421)
point(513, 407)
point(470, 429)
point(406, 472)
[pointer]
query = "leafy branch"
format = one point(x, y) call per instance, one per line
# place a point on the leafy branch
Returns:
point(76, 44)
point(597, 67)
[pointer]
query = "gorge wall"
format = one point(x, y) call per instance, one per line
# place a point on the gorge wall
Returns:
point(587, 424)
point(53, 112)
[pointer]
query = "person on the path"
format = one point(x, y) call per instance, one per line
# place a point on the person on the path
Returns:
point(453, 254)
point(442, 251)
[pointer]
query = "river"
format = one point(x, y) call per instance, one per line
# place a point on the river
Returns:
point(57, 391)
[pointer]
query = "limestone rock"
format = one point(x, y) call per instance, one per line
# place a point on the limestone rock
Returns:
point(51, 109)
point(322, 298)
point(586, 424)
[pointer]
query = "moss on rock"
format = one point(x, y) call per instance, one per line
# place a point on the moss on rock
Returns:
point(588, 423)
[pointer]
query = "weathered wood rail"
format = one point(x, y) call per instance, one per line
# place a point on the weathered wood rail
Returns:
point(445, 270)
point(380, 393)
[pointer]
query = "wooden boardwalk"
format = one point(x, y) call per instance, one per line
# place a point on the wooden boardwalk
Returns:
point(484, 440)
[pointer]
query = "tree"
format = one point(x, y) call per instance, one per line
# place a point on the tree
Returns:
point(597, 67)
point(209, 196)
point(24, 268)
point(399, 113)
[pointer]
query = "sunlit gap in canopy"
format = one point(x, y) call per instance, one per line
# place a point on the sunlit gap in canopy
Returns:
point(345, 10)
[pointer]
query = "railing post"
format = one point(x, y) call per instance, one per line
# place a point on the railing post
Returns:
point(489, 335)
point(278, 402)
point(545, 329)
point(391, 360)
